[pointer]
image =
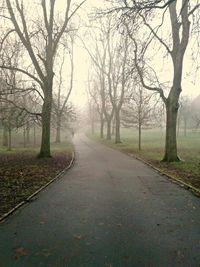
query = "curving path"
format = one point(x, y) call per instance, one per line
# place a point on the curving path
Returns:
point(109, 210)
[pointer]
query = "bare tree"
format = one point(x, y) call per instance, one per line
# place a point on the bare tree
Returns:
point(41, 40)
point(95, 102)
point(118, 75)
point(138, 111)
point(61, 97)
point(100, 59)
point(180, 32)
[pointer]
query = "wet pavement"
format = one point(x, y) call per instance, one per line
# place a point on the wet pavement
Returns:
point(109, 210)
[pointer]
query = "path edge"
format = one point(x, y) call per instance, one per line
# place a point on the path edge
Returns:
point(171, 177)
point(42, 188)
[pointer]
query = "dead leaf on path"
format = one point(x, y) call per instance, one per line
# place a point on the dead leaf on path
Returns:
point(180, 255)
point(47, 254)
point(78, 237)
point(20, 252)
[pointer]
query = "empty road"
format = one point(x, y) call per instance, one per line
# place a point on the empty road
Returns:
point(109, 210)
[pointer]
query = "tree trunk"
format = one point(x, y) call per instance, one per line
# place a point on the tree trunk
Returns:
point(5, 136)
point(171, 139)
point(117, 127)
point(45, 151)
point(58, 131)
point(9, 139)
point(24, 136)
point(102, 127)
point(108, 136)
point(28, 133)
point(34, 135)
point(178, 124)
point(58, 138)
point(113, 127)
point(140, 137)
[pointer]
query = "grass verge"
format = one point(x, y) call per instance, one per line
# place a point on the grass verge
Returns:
point(22, 173)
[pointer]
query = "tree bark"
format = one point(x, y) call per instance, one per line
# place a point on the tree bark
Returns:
point(9, 139)
point(58, 135)
point(28, 133)
point(102, 127)
point(58, 131)
point(140, 136)
point(5, 136)
point(117, 127)
point(34, 135)
point(108, 136)
point(46, 126)
point(113, 127)
point(185, 127)
point(171, 138)
point(24, 136)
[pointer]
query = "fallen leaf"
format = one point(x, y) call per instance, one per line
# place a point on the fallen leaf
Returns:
point(20, 252)
point(78, 237)
point(180, 255)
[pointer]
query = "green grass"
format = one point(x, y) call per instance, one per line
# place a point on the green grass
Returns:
point(153, 142)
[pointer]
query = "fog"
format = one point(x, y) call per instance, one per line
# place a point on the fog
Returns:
point(99, 133)
point(99, 80)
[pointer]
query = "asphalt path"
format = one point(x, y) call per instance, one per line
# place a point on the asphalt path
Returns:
point(109, 210)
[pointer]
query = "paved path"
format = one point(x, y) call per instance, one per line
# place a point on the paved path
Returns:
point(108, 211)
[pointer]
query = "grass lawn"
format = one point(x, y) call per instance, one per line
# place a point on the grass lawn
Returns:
point(153, 141)
point(22, 173)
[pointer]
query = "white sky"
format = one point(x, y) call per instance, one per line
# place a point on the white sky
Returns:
point(190, 85)
point(82, 60)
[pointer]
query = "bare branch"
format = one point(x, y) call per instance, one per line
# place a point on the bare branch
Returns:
point(24, 72)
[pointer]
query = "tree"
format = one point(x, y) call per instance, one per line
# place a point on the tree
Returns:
point(41, 40)
point(180, 32)
point(138, 111)
point(61, 98)
point(95, 100)
point(100, 60)
point(118, 75)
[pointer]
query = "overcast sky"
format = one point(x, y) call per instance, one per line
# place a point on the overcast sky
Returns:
point(190, 83)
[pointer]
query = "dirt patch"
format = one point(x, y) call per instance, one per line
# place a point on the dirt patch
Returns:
point(21, 174)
